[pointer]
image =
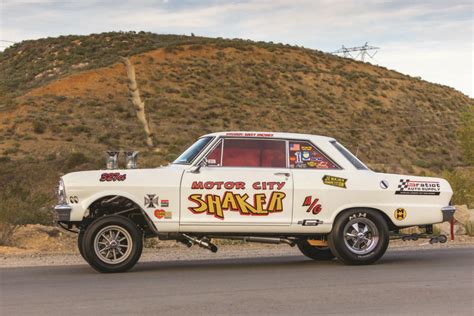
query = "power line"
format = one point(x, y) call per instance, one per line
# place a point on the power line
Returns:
point(7, 41)
point(363, 51)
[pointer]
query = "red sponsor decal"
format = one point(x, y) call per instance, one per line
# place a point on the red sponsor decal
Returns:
point(159, 214)
point(112, 176)
point(313, 205)
point(230, 185)
point(250, 134)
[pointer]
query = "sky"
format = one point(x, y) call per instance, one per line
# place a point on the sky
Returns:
point(431, 39)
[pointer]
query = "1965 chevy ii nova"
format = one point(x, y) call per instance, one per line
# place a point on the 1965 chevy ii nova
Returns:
point(296, 189)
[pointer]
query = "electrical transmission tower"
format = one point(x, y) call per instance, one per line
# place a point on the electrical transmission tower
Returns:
point(362, 51)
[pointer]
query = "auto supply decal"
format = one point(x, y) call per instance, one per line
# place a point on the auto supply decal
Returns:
point(260, 204)
point(411, 187)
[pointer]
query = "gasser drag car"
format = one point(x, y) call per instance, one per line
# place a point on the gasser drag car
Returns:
point(295, 189)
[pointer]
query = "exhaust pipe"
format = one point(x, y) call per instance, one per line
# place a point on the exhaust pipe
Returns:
point(264, 240)
point(203, 242)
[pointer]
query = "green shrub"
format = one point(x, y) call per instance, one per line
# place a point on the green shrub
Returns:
point(39, 127)
point(21, 206)
point(462, 183)
point(76, 159)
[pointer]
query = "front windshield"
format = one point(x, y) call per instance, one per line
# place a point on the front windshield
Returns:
point(189, 154)
point(349, 156)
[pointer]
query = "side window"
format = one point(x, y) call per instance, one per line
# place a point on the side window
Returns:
point(306, 155)
point(251, 153)
point(214, 158)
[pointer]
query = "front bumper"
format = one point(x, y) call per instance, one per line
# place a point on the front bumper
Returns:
point(64, 212)
point(448, 213)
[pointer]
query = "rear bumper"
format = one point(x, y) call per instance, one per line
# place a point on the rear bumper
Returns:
point(64, 212)
point(448, 213)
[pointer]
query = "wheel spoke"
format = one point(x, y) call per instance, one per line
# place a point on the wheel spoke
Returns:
point(356, 227)
point(365, 229)
point(357, 244)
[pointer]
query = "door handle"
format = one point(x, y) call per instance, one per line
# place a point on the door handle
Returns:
point(286, 174)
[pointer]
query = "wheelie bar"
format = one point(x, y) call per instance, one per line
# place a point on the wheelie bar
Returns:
point(433, 238)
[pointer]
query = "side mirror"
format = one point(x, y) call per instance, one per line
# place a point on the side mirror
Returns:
point(202, 163)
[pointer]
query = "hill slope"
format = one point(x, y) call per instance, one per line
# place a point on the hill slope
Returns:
point(65, 100)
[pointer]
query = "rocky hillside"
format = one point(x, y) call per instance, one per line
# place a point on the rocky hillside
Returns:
point(65, 100)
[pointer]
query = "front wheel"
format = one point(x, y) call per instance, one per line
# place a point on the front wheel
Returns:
point(80, 239)
point(359, 237)
point(112, 244)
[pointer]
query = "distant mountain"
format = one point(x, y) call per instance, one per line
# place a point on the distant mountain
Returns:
point(65, 100)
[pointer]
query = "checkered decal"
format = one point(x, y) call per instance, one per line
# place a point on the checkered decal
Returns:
point(404, 187)
point(403, 184)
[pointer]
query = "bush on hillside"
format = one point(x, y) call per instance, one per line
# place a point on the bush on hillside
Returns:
point(21, 206)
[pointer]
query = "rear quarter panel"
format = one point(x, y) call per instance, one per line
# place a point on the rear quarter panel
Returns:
point(365, 189)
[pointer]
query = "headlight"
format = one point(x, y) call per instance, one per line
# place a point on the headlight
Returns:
point(61, 192)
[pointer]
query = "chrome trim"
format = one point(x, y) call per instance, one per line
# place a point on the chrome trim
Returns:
point(448, 212)
point(64, 212)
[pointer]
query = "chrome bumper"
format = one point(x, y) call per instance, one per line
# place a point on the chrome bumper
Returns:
point(448, 213)
point(64, 212)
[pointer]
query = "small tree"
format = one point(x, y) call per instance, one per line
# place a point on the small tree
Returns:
point(20, 206)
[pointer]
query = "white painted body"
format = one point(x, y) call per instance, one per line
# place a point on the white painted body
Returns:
point(174, 183)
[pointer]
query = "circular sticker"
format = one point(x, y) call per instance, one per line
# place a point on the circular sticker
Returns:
point(384, 184)
point(159, 214)
point(400, 214)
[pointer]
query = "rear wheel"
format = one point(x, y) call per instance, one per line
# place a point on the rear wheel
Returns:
point(359, 237)
point(314, 252)
point(112, 244)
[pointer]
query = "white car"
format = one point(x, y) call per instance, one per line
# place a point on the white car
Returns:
point(296, 189)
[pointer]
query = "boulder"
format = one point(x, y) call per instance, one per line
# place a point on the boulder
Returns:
point(462, 214)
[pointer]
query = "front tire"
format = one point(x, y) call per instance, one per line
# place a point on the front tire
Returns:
point(359, 237)
point(112, 244)
point(314, 252)
point(80, 239)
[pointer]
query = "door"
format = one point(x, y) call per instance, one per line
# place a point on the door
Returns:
point(245, 184)
point(318, 184)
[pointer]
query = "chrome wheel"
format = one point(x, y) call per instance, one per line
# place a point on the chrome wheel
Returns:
point(113, 244)
point(361, 235)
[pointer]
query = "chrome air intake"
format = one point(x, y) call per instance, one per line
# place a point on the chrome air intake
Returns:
point(112, 160)
point(131, 158)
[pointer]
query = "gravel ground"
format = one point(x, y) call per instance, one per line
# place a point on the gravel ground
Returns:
point(180, 252)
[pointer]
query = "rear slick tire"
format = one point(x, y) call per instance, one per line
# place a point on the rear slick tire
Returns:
point(359, 237)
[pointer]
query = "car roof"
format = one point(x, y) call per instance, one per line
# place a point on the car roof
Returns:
point(272, 135)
